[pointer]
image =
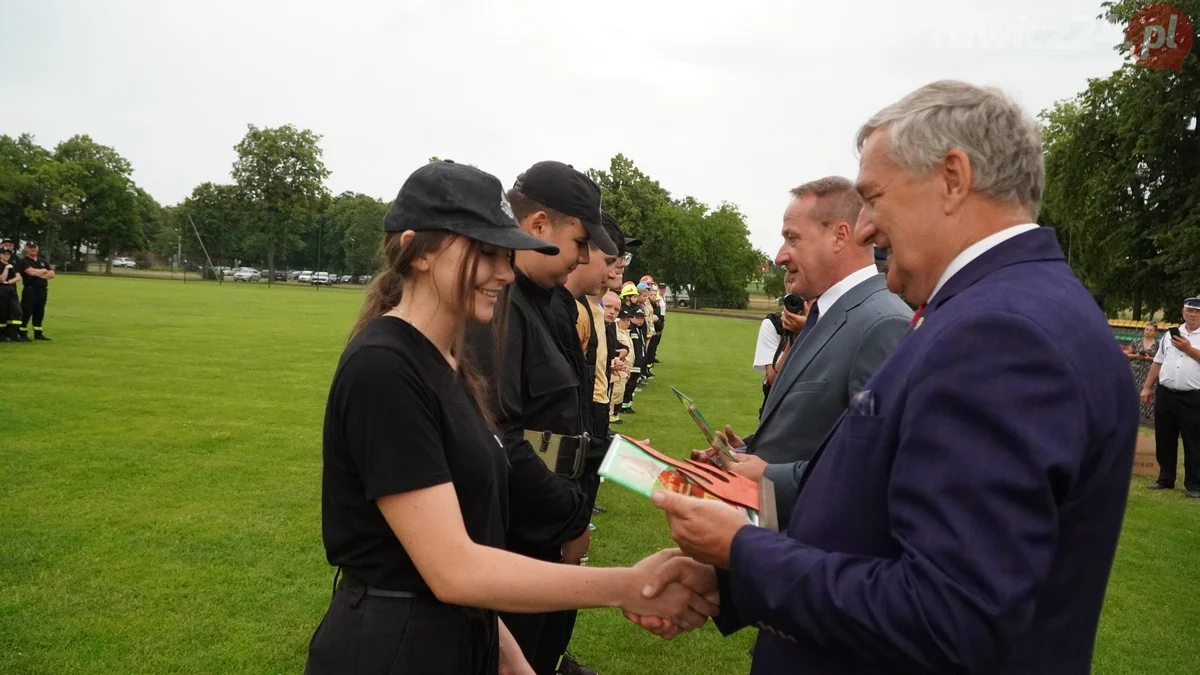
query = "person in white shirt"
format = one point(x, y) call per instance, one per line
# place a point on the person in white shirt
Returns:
point(1176, 371)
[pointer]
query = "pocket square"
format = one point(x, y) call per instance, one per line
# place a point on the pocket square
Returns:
point(863, 403)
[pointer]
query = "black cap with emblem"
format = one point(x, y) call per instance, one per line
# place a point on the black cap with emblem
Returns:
point(561, 187)
point(452, 197)
point(1194, 303)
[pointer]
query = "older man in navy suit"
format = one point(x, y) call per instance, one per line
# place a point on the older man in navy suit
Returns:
point(963, 515)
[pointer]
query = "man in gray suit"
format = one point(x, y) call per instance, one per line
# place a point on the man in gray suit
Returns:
point(851, 328)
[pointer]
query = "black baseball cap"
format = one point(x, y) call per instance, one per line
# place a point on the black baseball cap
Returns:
point(610, 226)
point(452, 197)
point(560, 187)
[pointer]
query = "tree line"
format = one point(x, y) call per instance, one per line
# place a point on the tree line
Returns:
point(80, 199)
point(1123, 193)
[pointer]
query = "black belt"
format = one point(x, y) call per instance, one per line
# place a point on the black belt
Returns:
point(1178, 391)
point(566, 455)
point(353, 585)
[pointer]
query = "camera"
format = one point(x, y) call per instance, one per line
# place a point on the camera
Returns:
point(793, 303)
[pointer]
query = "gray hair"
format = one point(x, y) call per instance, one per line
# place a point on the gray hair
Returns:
point(1003, 143)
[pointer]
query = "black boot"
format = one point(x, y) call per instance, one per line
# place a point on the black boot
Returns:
point(39, 335)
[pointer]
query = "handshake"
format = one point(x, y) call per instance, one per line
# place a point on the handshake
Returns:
point(671, 594)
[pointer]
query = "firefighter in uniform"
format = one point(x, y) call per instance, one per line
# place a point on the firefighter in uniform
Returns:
point(588, 283)
point(538, 397)
point(660, 319)
point(649, 333)
point(636, 316)
point(35, 278)
point(10, 307)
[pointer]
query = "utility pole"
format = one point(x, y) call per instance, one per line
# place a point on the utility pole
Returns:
point(179, 253)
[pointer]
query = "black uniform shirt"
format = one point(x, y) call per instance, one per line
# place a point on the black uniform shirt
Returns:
point(32, 281)
point(399, 419)
point(12, 269)
point(536, 389)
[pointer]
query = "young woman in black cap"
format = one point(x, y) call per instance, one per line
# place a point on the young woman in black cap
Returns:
point(414, 484)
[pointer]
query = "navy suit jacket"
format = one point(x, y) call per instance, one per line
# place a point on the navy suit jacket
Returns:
point(968, 525)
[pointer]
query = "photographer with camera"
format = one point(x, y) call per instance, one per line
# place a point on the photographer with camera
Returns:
point(775, 335)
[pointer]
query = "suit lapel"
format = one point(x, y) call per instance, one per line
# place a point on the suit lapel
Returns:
point(827, 326)
point(1034, 245)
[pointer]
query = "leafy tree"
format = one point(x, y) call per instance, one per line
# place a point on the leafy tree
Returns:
point(101, 206)
point(1123, 178)
point(727, 261)
point(684, 243)
point(773, 280)
point(281, 177)
point(29, 189)
point(358, 220)
point(215, 220)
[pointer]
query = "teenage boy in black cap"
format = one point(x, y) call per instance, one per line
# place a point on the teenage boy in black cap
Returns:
point(540, 404)
point(10, 307)
point(588, 283)
point(35, 276)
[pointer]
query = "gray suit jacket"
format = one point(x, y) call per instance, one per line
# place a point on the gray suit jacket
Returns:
point(836, 358)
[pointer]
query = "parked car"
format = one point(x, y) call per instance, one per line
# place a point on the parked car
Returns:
point(124, 262)
point(294, 275)
point(346, 278)
point(247, 274)
point(320, 279)
point(305, 277)
point(281, 275)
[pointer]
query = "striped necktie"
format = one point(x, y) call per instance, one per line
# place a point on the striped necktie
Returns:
point(917, 315)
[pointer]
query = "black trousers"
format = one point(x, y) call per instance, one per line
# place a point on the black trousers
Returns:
point(10, 307)
point(543, 637)
point(33, 304)
point(652, 349)
point(1177, 413)
point(367, 634)
point(631, 387)
point(591, 470)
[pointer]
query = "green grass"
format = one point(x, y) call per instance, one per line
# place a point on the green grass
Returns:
point(160, 474)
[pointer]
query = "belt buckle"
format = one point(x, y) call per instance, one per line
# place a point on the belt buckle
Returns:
point(581, 455)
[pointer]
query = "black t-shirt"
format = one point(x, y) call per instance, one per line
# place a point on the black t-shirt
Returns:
point(31, 281)
point(399, 419)
point(9, 270)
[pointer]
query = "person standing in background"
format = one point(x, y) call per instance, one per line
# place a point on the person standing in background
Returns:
point(659, 306)
point(10, 306)
point(1140, 351)
point(1176, 372)
point(35, 276)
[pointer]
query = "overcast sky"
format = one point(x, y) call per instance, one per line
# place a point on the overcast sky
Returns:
point(735, 101)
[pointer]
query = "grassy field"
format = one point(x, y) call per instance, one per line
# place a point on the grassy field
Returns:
point(159, 491)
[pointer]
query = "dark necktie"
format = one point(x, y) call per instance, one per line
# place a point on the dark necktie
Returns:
point(811, 321)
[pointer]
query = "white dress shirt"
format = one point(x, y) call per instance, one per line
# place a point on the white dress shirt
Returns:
point(977, 249)
point(836, 291)
point(1178, 371)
